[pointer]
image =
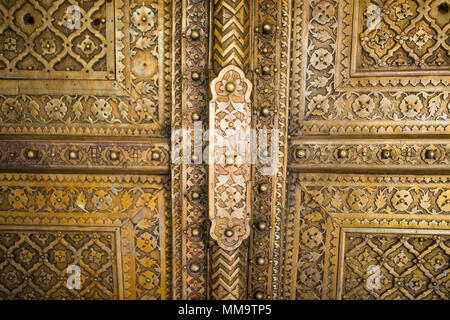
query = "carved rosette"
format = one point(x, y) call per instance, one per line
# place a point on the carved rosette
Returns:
point(229, 158)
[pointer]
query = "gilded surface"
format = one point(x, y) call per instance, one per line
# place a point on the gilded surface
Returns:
point(342, 229)
point(337, 99)
point(132, 94)
point(189, 178)
point(395, 266)
point(133, 210)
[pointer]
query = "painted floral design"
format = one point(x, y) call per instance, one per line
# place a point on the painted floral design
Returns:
point(443, 201)
point(12, 109)
point(318, 105)
point(56, 109)
point(48, 46)
point(312, 237)
point(18, 198)
point(145, 109)
point(357, 199)
point(363, 106)
point(411, 106)
point(144, 19)
point(401, 200)
point(101, 109)
point(321, 59)
point(59, 200)
point(101, 199)
point(323, 12)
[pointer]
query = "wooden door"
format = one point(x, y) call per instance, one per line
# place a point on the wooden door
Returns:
point(98, 176)
point(85, 98)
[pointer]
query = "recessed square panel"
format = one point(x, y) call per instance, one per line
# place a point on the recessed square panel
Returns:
point(400, 37)
point(57, 40)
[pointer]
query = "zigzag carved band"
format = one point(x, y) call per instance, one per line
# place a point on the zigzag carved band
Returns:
point(231, 34)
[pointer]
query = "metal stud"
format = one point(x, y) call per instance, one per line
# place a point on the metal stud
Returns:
point(229, 233)
point(230, 87)
point(265, 111)
point(195, 35)
point(195, 76)
point(31, 154)
point(156, 155)
point(385, 154)
point(73, 155)
point(261, 225)
point(113, 155)
point(430, 154)
point(263, 187)
point(267, 28)
point(195, 195)
point(342, 153)
point(301, 153)
point(259, 295)
point(194, 267)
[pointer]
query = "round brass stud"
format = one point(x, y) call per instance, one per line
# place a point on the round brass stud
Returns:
point(194, 267)
point(195, 116)
point(385, 154)
point(230, 87)
point(114, 155)
point(301, 153)
point(261, 260)
point(229, 233)
point(265, 70)
point(229, 160)
point(263, 187)
point(430, 154)
point(265, 111)
point(31, 154)
point(267, 28)
point(73, 155)
point(195, 232)
point(195, 76)
point(156, 155)
point(342, 153)
point(261, 225)
point(195, 35)
point(195, 195)
point(259, 295)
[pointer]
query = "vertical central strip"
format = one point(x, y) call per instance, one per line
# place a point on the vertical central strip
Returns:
point(229, 153)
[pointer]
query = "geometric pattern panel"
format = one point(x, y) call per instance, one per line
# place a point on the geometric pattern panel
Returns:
point(343, 82)
point(94, 68)
point(57, 40)
point(395, 266)
point(402, 35)
point(34, 264)
point(119, 225)
point(367, 237)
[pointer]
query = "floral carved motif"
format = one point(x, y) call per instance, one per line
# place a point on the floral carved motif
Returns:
point(229, 158)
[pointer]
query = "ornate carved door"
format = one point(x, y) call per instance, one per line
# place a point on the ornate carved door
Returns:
point(85, 95)
point(107, 173)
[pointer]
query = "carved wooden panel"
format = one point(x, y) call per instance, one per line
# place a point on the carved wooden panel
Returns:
point(51, 39)
point(51, 52)
point(394, 264)
point(85, 102)
point(367, 237)
point(116, 229)
point(367, 67)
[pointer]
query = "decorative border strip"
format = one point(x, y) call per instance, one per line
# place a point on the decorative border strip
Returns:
point(189, 182)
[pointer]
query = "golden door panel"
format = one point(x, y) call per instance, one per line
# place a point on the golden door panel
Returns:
point(344, 231)
point(363, 67)
point(77, 80)
point(115, 229)
point(101, 68)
